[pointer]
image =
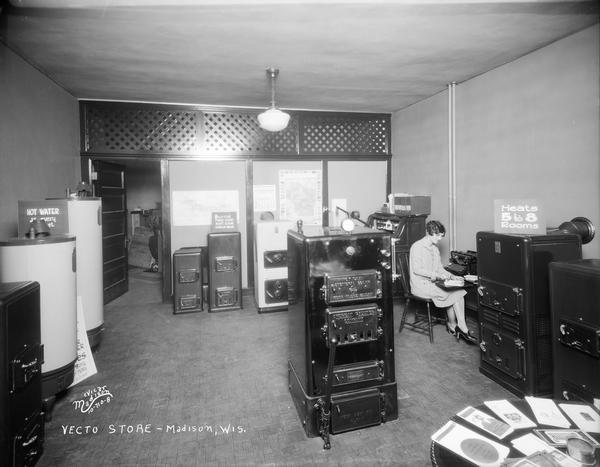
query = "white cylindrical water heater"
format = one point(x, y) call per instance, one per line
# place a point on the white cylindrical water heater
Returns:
point(81, 217)
point(85, 222)
point(51, 261)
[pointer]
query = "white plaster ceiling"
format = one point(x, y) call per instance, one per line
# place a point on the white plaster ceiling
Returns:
point(357, 56)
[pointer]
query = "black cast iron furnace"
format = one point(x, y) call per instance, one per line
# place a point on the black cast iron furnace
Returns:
point(341, 346)
point(575, 304)
point(514, 307)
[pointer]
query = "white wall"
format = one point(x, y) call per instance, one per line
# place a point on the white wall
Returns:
point(39, 138)
point(420, 153)
point(528, 129)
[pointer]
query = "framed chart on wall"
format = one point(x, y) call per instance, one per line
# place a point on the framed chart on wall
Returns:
point(196, 207)
point(301, 196)
point(274, 184)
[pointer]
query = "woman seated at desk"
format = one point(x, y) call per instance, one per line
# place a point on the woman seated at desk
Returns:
point(425, 268)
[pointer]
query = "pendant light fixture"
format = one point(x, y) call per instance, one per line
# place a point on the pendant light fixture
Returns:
point(273, 119)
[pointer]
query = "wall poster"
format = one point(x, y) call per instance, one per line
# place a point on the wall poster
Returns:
point(196, 207)
point(301, 196)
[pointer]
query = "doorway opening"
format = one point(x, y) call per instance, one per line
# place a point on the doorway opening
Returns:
point(144, 222)
point(132, 224)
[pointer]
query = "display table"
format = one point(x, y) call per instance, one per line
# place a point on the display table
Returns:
point(441, 456)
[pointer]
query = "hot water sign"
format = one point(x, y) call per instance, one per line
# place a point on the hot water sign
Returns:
point(521, 216)
point(53, 212)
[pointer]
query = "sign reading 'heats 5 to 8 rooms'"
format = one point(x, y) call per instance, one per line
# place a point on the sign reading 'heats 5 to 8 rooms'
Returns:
point(523, 216)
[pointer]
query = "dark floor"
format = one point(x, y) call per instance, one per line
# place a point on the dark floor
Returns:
point(228, 370)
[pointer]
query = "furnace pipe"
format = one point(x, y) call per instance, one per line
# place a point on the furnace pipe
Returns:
point(452, 165)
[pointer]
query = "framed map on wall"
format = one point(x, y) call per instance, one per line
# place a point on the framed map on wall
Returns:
point(301, 196)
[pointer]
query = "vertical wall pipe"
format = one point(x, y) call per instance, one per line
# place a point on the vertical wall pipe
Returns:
point(452, 165)
point(450, 213)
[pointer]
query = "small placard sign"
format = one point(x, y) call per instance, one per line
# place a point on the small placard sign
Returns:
point(224, 221)
point(53, 212)
point(523, 216)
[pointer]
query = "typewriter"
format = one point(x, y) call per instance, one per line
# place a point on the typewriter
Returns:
point(462, 263)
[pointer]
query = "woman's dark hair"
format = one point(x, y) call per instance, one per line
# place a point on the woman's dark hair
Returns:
point(435, 227)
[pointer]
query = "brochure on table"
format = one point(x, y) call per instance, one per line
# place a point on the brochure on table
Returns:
point(510, 414)
point(483, 451)
point(486, 422)
point(470, 445)
point(530, 444)
point(584, 416)
point(547, 412)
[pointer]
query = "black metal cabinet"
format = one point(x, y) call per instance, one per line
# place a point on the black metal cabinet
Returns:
point(224, 271)
point(340, 296)
point(575, 301)
point(514, 307)
point(405, 231)
point(187, 280)
point(21, 358)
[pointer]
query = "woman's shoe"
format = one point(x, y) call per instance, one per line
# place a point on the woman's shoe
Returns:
point(450, 331)
point(467, 336)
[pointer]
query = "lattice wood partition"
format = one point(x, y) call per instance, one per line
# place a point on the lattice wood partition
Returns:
point(128, 129)
point(238, 133)
point(345, 134)
point(152, 129)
